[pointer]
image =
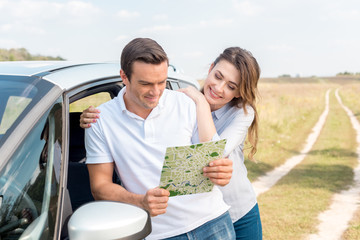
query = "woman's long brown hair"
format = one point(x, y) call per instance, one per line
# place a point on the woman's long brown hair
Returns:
point(249, 71)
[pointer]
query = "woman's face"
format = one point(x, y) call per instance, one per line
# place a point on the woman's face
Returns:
point(222, 84)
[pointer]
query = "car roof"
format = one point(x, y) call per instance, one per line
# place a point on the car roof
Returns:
point(67, 74)
point(31, 68)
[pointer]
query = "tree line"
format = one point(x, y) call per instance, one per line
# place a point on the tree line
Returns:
point(21, 54)
point(346, 73)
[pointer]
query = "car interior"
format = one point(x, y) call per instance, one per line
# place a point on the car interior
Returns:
point(78, 175)
point(78, 183)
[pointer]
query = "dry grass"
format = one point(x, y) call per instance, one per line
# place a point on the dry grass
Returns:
point(353, 232)
point(350, 95)
point(287, 111)
point(93, 100)
point(289, 210)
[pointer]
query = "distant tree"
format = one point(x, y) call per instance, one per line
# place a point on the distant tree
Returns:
point(21, 54)
point(285, 76)
point(346, 73)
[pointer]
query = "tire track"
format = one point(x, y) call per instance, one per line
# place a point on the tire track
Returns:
point(265, 182)
point(335, 220)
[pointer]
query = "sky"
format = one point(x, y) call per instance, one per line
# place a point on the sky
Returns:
point(296, 37)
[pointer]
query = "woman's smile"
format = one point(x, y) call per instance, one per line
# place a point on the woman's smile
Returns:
point(213, 94)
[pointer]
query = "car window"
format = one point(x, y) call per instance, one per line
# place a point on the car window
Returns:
point(174, 85)
point(13, 108)
point(93, 100)
point(168, 86)
point(184, 84)
point(29, 181)
point(17, 96)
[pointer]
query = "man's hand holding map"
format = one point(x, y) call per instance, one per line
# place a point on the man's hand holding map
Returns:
point(182, 170)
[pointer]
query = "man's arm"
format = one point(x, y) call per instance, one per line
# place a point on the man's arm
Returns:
point(154, 201)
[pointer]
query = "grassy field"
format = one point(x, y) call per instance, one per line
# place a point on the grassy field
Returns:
point(350, 97)
point(93, 100)
point(289, 210)
point(287, 111)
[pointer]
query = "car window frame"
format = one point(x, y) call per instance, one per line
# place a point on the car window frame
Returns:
point(111, 85)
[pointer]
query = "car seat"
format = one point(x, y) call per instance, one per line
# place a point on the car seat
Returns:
point(78, 175)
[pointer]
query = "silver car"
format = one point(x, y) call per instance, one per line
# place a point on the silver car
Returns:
point(44, 182)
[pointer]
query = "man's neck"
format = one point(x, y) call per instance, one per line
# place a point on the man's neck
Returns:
point(135, 108)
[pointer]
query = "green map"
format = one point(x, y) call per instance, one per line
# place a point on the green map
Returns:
point(182, 170)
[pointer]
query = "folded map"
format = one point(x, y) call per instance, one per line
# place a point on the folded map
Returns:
point(182, 169)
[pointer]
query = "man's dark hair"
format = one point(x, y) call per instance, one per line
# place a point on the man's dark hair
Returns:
point(143, 50)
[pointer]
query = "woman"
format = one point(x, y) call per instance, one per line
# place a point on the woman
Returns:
point(228, 98)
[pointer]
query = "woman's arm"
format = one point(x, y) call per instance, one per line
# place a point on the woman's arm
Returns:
point(235, 131)
point(205, 122)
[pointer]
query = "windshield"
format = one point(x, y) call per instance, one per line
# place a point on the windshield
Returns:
point(17, 96)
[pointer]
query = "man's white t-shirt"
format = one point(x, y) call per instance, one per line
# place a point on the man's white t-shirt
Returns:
point(137, 146)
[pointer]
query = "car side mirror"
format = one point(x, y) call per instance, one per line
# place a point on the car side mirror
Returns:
point(109, 220)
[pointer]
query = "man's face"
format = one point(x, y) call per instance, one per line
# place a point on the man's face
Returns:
point(145, 87)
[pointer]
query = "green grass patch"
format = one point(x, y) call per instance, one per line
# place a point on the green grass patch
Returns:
point(289, 210)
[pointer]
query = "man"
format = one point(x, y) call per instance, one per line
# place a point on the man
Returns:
point(132, 135)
